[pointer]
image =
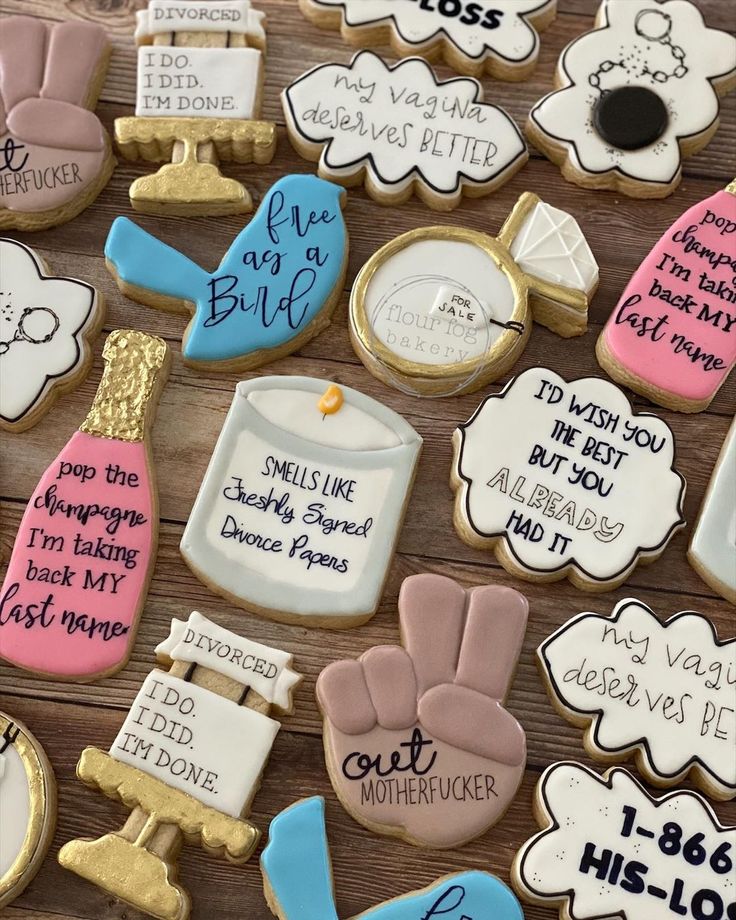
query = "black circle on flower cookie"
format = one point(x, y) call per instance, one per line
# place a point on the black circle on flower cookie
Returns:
point(630, 117)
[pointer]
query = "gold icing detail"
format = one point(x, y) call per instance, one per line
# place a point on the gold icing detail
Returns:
point(331, 400)
point(731, 187)
point(134, 362)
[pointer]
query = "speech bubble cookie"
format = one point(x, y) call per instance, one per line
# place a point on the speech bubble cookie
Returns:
point(608, 849)
point(498, 37)
point(566, 480)
point(662, 691)
point(401, 131)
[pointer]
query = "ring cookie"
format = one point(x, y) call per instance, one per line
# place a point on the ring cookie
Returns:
point(497, 37)
point(400, 131)
point(663, 692)
point(563, 479)
point(634, 96)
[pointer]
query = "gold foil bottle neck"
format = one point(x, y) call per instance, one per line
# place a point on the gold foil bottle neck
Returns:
point(732, 187)
point(134, 362)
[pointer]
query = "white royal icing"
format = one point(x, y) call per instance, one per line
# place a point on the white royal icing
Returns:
point(478, 30)
point(666, 48)
point(613, 850)
point(298, 513)
point(568, 476)
point(43, 320)
point(163, 16)
point(197, 82)
point(196, 741)
point(400, 124)
point(666, 689)
point(15, 806)
point(550, 245)
point(713, 546)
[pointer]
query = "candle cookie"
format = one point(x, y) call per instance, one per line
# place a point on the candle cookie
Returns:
point(47, 331)
point(401, 131)
point(297, 879)
point(497, 37)
point(188, 760)
point(275, 288)
point(634, 96)
point(417, 741)
point(200, 91)
point(672, 336)
point(84, 554)
point(441, 311)
point(608, 848)
point(27, 806)
point(663, 692)
point(299, 511)
point(56, 155)
point(712, 551)
point(563, 479)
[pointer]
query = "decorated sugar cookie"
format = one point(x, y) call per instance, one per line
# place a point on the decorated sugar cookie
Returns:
point(299, 511)
point(712, 551)
point(498, 37)
point(662, 691)
point(27, 807)
point(56, 156)
point(275, 288)
point(47, 325)
point(607, 848)
point(563, 479)
point(672, 336)
point(83, 557)
point(297, 879)
point(635, 95)
point(188, 760)
point(401, 131)
point(441, 310)
point(417, 741)
point(200, 88)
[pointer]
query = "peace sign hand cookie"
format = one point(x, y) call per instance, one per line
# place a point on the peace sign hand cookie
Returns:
point(417, 740)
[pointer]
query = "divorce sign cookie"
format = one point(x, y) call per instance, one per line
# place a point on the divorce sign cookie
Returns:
point(46, 329)
point(300, 508)
point(661, 691)
point(672, 336)
point(635, 96)
point(56, 156)
point(275, 288)
point(297, 879)
point(417, 741)
point(566, 480)
point(400, 131)
point(608, 849)
point(498, 37)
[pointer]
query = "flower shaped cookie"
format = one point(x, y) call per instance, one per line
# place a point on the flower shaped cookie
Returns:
point(638, 93)
point(417, 740)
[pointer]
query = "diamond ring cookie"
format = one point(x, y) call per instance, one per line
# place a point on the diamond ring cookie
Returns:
point(297, 879)
point(634, 96)
point(662, 691)
point(441, 311)
point(56, 155)
point(48, 324)
point(417, 740)
point(299, 512)
point(563, 479)
point(497, 37)
point(607, 848)
point(400, 131)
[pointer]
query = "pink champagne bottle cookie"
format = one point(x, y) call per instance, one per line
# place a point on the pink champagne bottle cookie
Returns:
point(672, 336)
point(83, 557)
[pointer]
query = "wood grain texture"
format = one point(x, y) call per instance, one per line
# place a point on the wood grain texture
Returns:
point(66, 717)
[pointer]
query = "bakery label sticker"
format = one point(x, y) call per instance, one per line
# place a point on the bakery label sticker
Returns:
point(610, 850)
point(668, 689)
point(569, 476)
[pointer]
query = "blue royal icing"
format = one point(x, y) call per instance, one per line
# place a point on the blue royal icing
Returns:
point(296, 864)
point(272, 283)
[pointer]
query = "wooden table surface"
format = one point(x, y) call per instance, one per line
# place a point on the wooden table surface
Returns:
point(67, 717)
